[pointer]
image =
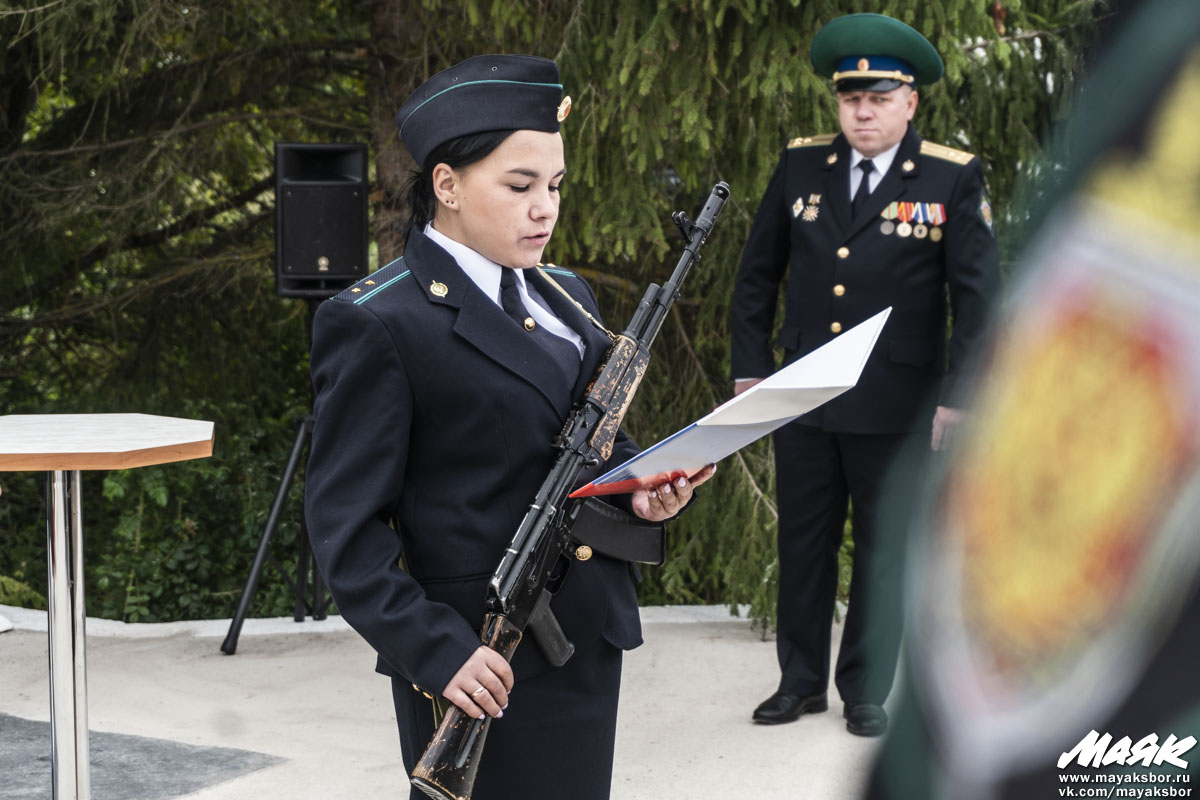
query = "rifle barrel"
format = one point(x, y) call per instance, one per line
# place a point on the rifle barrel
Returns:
point(670, 290)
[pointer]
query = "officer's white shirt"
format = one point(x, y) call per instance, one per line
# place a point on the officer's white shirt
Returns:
point(486, 275)
point(882, 163)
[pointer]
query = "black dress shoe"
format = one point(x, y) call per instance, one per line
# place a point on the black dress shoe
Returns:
point(784, 707)
point(865, 719)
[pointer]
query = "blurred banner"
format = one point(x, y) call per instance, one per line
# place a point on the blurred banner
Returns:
point(1053, 620)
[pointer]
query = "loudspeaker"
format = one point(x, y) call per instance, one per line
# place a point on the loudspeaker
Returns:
point(320, 218)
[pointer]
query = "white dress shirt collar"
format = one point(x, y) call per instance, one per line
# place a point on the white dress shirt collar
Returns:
point(882, 163)
point(482, 271)
point(485, 274)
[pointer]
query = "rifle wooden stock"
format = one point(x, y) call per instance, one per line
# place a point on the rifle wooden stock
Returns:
point(447, 769)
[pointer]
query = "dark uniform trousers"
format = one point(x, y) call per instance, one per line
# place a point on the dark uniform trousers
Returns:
point(840, 270)
point(816, 473)
point(436, 410)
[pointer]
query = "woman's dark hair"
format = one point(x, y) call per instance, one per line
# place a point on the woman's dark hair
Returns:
point(456, 153)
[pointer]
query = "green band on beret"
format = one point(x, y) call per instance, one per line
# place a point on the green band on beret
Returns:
point(473, 83)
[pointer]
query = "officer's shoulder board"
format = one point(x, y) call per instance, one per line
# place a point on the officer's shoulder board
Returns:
point(550, 272)
point(945, 153)
point(811, 141)
point(555, 269)
point(376, 282)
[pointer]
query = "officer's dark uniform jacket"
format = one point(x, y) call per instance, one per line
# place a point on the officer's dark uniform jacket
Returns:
point(843, 272)
point(432, 407)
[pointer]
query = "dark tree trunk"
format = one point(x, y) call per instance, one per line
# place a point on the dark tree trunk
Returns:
point(391, 75)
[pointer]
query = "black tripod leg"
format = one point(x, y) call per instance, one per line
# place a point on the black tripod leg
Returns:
point(301, 606)
point(229, 646)
point(300, 601)
point(320, 602)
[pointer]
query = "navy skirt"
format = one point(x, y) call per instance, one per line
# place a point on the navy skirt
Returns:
point(554, 741)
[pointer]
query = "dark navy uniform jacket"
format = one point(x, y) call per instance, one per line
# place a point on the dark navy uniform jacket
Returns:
point(843, 272)
point(434, 408)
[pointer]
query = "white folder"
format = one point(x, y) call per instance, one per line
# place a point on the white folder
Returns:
point(796, 389)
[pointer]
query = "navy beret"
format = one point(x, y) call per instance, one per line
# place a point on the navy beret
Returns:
point(484, 93)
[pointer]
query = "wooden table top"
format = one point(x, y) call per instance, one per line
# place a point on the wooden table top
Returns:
point(99, 441)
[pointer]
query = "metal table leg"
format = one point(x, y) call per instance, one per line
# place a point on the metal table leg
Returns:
point(68, 657)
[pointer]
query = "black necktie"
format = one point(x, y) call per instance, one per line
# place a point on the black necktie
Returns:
point(564, 352)
point(864, 187)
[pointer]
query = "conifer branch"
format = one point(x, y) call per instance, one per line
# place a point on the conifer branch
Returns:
point(1038, 34)
point(211, 262)
point(24, 12)
point(185, 224)
point(174, 131)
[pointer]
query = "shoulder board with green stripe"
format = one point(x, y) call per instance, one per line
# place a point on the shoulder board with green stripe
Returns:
point(375, 283)
point(945, 153)
point(548, 272)
point(811, 141)
point(554, 269)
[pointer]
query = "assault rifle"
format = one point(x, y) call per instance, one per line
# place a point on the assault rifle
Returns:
point(517, 595)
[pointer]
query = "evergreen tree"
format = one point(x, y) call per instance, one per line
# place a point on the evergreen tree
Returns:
point(136, 218)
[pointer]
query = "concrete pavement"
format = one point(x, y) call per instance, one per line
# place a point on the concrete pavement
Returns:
point(306, 693)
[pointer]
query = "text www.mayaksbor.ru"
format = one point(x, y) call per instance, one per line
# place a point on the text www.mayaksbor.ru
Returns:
point(1117, 785)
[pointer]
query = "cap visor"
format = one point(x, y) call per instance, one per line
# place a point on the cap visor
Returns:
point(868, 84)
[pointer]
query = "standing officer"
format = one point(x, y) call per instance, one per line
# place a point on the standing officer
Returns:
point(871, 218)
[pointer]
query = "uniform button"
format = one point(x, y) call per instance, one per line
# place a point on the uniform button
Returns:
point(839, 290)
point(843, 252)
point(836, 327)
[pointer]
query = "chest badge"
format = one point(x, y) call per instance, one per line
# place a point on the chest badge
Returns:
point(797, 207)
point(438, 289)
point(889, 214)
point(813, 209)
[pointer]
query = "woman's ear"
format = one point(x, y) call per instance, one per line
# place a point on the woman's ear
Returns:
point(447, 185)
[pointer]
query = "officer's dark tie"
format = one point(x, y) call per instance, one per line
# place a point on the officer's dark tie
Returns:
point(563, 352)
point(864, 187)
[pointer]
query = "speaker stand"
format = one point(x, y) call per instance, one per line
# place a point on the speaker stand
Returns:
point(319, 606)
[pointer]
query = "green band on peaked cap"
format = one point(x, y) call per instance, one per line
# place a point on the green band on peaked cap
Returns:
point(484, 93)
point(864, 40)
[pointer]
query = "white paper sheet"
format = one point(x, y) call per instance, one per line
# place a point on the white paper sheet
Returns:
point(796, 389)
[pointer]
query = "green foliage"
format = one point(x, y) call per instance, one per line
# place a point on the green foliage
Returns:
point(136, 144)
point(15, 593)
point(183, 534)
point(136, 147)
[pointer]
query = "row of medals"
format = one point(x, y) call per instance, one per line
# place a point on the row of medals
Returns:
point(919, 231)
point(887, 228)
